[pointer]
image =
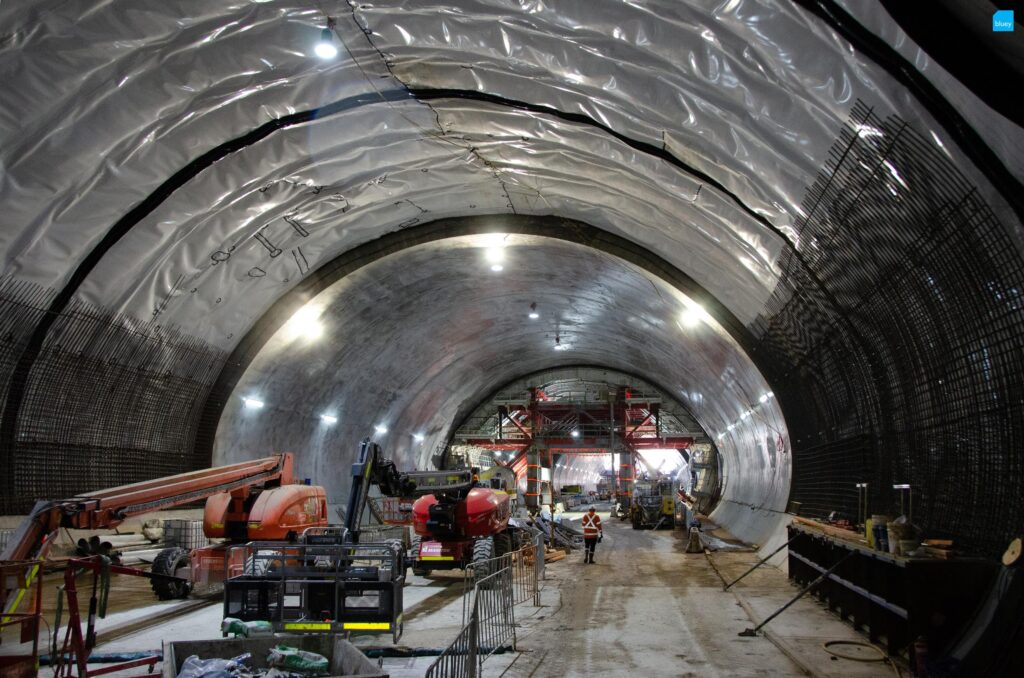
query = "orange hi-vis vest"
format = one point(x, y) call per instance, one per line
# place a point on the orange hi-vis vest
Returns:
point(591, 525)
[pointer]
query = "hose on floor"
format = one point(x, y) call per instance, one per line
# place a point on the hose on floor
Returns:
point(882, 656)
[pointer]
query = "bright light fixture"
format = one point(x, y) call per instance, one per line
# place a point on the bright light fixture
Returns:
point(494, 240)
point(693, 315)
point(306, 323)
point(328, 419)
point(575, 434)
point(534, 315)
point(763, 398)
point(381, 429)
point(418, 437)
point(497, 268)
point(252, 403)
point(326, 49)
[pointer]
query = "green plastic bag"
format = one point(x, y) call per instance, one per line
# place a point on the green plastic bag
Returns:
point(294, 659)
point(245, 629)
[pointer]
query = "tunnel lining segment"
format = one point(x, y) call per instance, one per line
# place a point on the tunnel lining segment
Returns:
point(553, 227)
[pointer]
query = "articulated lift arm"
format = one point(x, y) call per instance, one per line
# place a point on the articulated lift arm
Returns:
point(371, 468)
point(108, 508)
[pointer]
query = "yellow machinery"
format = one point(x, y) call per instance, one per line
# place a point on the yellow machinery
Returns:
point(654, 505)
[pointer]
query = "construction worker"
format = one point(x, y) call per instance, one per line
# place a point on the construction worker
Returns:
point(592, 533)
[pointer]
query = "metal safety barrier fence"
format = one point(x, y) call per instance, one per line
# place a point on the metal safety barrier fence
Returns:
point(493, 588)
point(526, 568)
point(490, 628)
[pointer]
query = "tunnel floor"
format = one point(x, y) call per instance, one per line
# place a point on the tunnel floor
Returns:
point(646, 608)
point(649, 608)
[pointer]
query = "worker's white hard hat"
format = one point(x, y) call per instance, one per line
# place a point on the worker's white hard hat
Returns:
point(591, 508)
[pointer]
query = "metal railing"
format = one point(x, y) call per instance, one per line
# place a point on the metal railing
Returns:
point(491, 627)
point(526, 573)
point(493, 588)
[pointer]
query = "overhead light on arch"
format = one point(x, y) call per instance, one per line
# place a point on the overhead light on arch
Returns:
point(252, 403)
point(693, 315)
point(325, 47)
point(418, 437)
point(328, 419)
point(381, 429)
point(494, 250)
point(306, 323)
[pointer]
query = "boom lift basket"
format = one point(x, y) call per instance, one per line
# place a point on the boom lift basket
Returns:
point(320, 586)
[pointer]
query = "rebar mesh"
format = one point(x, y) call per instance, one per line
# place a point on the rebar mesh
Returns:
point(896, 340)
point(109, 400)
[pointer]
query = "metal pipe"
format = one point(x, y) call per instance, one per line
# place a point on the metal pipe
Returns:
point(758, 564)
point(803, 592)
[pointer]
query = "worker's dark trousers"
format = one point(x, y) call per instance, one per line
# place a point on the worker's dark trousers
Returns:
point(588, 553)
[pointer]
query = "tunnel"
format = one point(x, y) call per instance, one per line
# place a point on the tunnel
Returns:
point(800, 221)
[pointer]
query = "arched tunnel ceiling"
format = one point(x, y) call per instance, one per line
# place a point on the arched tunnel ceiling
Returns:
point(415, 340)
point(172, 171)
point(747, 98)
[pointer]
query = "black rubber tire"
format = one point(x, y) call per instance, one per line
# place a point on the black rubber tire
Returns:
point(483, 549)
point(414, 548)
point(167, 562)
point(520, 538)
point(502, 544)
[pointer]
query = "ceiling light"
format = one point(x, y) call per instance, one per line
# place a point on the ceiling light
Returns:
point(575, 434)
point(252, 403)
point(306, 323)
point(693, 316)
point(763, 398)
point(381, 429)
point(328, 419)
point(497, 268)
point(418, 437)
point(494, 240)
point(534, 315)
point(325, 48)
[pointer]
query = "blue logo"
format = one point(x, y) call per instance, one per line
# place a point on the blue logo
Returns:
point(1002, 21)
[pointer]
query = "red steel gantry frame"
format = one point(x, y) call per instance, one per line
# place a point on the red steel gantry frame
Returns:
point(627, 425)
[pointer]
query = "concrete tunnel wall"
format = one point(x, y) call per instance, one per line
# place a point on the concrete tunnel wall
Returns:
point(848, 211)
point(417, 339)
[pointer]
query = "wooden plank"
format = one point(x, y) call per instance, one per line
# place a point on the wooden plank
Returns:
point(830, 530)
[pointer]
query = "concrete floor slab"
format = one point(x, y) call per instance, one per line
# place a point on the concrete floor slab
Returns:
point(645, 609)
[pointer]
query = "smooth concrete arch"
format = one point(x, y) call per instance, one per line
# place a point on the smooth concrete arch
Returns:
point(558, 228)
point(416, 336)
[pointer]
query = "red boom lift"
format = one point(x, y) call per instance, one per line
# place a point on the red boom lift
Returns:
point(245, 501)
